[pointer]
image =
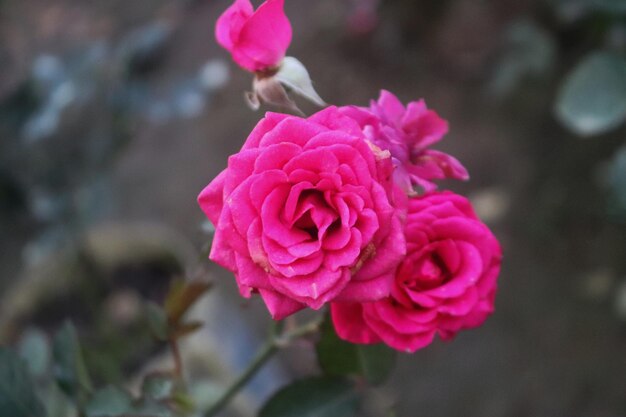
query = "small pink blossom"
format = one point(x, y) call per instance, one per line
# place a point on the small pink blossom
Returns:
point(446, 283)
point(408, 132)
point(306, 213)
point(257, 40)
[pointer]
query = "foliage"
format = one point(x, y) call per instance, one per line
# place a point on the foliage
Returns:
point(55, 370)
point(166, 323)
point(18, 397)
point(374, 363)
point(314, 397)
point(69, 368)
point(592, 99)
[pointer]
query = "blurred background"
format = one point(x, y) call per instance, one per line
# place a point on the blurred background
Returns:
point(115, 114)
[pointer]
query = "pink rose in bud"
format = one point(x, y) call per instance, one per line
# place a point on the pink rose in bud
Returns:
point(306, 213)
point(408, 132)
point(257, 40)
point(446, 283)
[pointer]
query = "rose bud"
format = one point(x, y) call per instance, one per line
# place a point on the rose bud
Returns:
point(258, 41)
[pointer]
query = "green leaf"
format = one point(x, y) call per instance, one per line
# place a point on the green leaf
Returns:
point(57, 403)
point(69, 367)
point(337, 357)
point(17, 391)
point(183, 403)
point(593, 98)
point(158, 386)
point(34, 350)
point(528, 51)
point(205, 393)
point(157, 321)
point(610, 6)
point(578, 9)
point(152, 408)
point(109, 402)
point(314, 397)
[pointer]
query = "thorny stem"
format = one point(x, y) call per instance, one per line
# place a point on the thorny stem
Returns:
point(276, 341)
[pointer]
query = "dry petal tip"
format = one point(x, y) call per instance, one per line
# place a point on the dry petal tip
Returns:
point(294, 75)
point(270, 91)
point(252, 100)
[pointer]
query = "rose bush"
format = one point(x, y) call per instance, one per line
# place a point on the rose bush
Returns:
point(257, 40)
point(408, 132)
point(446, 283)
point(306, 213)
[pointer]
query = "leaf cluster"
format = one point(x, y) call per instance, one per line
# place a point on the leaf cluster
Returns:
point(45, 377)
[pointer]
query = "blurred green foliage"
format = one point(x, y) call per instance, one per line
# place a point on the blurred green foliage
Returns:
point(18, 397)
point(324, 396)
point(592, 99)
point(374, 363)
point(50, 378)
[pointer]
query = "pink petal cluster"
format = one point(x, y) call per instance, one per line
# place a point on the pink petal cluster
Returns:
point(306, 213)
point(447, 281)
point(257, 40)
point(408, 132)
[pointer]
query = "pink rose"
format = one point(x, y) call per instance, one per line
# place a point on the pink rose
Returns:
point(408, 132)
point(446, 283)
point(257, 40)
point(306, 213)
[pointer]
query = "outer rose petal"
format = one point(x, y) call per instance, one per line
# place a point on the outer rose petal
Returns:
point(256, 40)
point(423, 127)
point(431, 164)
point(231, 22)
point(278, 305)
point(211, 199)
point(349, 324)
point(264, 126)
point(264, 38)
point(406, 133)
point(390, 108)
point(400, 332)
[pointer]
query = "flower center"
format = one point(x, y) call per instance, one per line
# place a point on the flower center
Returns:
point(305, 223)
point(429, 272)
point(313, 214)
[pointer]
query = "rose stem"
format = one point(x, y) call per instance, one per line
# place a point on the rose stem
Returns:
point(275, 342)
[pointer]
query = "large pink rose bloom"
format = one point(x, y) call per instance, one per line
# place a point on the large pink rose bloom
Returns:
point(257, 40)
point(446, 283)
point(306, 213)
point(408, 132)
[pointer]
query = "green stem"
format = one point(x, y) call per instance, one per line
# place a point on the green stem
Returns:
point(266, 352)
point(273, 345)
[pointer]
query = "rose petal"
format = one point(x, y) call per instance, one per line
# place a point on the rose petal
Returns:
point(278, 305)
point(264, 37)
point(349, 324)
point(231, 22)
point(211, 198)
